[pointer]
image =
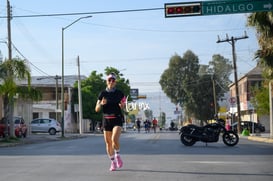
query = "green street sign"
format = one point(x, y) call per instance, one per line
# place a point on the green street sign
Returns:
point(236, 6)
point(217, 7)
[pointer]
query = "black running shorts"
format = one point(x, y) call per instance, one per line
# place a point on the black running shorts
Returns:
point(109, 124)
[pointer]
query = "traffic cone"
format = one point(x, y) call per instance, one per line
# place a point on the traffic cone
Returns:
point(245, 132)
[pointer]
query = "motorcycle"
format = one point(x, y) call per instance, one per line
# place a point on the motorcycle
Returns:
point(190, 134)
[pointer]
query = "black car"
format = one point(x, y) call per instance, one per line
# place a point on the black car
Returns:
point(258, 127)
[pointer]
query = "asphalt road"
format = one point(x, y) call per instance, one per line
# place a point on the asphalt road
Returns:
point(148, 157)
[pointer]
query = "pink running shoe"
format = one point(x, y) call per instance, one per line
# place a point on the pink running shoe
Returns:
point(113, 166)
point(119, 161)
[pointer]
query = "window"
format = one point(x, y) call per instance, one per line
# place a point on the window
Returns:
point(45, 121)
point(35, 121)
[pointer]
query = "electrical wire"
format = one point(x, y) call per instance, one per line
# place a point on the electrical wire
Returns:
point(83, 13)
point(38, 69)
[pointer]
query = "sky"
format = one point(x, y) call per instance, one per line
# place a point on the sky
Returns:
point(139, 43)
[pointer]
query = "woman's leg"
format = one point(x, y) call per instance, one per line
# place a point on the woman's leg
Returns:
point(108, 143)
point(115, 137)
point(116, 146)
point(109, 149)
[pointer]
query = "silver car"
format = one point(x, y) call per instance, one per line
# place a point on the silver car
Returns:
point(45, 125)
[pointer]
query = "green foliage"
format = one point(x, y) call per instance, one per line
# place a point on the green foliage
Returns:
point(221, 69)
point(260, 99)
point(190, 84)
point(132, 117)
point(176, 81)
point(263, 22)
point(10, 72)
point(11, 139)
point(29, 93)
point(148, 114)
point(201, 106)
point(162, 119)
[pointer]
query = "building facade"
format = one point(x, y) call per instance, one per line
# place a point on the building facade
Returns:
point(245, 84)
point(51, 104)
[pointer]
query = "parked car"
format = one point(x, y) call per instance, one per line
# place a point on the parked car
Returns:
point(45, 125)
point(258, 127)
point(20, 127)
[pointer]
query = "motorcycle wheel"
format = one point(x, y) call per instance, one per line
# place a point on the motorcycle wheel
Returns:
point(186, 140)
point(230, 138)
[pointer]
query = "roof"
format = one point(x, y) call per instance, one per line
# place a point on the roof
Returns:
point(255, 72)
point(69, 80)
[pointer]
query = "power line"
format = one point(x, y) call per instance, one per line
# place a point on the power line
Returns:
point(84, 13)
point(232, 41)
point(38, 69)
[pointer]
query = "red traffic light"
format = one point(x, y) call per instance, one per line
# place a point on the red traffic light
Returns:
point(182, 9)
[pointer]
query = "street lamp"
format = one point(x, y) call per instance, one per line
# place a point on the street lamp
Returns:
point(62, 90)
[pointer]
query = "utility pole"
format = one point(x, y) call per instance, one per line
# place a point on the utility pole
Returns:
point(80, 96)
point(9, 30)
point(214, 97)
point(57, 97)
point(9, 113)
point(232, 41)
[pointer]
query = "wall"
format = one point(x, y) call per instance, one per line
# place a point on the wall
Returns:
point(23, 108)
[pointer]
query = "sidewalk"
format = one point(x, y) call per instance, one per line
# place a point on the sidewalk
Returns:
point(264, 137)
point(40, 138)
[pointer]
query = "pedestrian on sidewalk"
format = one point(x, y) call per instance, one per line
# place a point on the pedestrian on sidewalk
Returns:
point(154, 122)
point(138, 124)
point(111, 101)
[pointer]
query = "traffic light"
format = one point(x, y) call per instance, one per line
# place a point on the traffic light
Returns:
point(182, 9)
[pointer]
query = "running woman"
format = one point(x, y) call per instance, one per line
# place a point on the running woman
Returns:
point(111, 101)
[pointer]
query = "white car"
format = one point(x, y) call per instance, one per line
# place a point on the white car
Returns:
point(45, 125)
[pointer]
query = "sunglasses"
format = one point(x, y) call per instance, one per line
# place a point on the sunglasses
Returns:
point(111, 80)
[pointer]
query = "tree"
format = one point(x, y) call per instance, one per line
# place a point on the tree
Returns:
point(201, 105)
point(148, 114)
point(221, 68)
point(176, 81)
point(10, 72)
point(190, 84)
point(218, 72)
point(260, 100)
point(162, 119)
point(263, 22)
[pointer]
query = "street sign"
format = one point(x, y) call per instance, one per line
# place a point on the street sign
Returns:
point(134, 94)
point(217, 7)
point(236, 6)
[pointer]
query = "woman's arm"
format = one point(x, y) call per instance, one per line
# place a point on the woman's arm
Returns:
point(123, 102)
point(98, 106)
point(100, 103)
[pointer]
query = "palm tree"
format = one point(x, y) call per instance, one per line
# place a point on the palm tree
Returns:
point(10, 72)
point(263, 22)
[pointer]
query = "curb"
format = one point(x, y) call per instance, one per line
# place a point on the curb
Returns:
point(40, 139)
point(260, 139)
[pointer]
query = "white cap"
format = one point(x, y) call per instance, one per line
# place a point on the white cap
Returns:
point(111, 76)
